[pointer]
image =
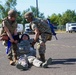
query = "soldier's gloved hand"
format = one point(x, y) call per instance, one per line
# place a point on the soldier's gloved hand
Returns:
point(33, 43)
point(12, 40)
point(15, 41)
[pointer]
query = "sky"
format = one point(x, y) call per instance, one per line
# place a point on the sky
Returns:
point(48, 7)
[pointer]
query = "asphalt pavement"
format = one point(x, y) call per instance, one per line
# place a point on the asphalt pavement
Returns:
point(62, 52)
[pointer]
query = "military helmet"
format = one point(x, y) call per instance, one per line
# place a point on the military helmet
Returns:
point(26, 35)
point(28, 14)
point(12, 13)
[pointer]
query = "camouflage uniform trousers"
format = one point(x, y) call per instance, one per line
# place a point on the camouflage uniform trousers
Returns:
point(12, 55)
point(43, 39)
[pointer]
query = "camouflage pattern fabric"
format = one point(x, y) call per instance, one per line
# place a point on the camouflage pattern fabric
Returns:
point(45, 33)
point(42, 26)
point(11, 26)
point(25, 47)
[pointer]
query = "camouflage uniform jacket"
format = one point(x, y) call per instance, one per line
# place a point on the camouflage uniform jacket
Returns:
point(9, 25)
point(41, 25)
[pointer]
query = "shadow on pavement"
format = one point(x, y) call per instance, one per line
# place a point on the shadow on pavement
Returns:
point(70, 61)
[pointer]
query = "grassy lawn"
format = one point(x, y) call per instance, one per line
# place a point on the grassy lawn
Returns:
point(60, 31)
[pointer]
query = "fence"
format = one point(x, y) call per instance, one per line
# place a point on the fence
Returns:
point(61, 27)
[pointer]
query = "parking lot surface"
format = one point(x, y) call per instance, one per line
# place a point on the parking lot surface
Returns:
point(62, 52)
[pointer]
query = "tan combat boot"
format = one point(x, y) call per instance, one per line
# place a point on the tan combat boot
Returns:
point(15, 59)
point(42, 57)
point(11, 62)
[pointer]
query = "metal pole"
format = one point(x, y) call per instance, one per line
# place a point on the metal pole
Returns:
point(37, 8)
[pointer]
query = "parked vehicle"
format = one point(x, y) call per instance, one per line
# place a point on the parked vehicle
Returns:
point(70, 27)
point(28, 29)
point(20, 28)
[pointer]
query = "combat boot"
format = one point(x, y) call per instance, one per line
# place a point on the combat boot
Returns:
point(42, 57)
point(47, 62)
point(15, 59)
point(11, 62)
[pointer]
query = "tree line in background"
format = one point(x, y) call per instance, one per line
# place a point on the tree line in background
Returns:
point(56, 19)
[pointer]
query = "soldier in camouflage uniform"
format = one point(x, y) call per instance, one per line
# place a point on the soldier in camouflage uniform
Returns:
point(9, 26)
point(42, 33)
point(24, 46)
point(27, 54)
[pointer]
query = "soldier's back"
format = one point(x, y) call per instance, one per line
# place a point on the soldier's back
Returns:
point(41, 25)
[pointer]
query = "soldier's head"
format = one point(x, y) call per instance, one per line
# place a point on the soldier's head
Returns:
point(12, 14)
point(29, 16)
point(25, 36)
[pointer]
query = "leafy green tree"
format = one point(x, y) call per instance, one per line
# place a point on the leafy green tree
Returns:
point(23, 21)
point(69, 16)
point(2, 11)
point(34, 10)
point(59, 19)
point(9, 4)
point(54, 19)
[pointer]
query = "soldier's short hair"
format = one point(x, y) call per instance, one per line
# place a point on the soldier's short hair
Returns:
point(12, 13)
point(28, 14)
